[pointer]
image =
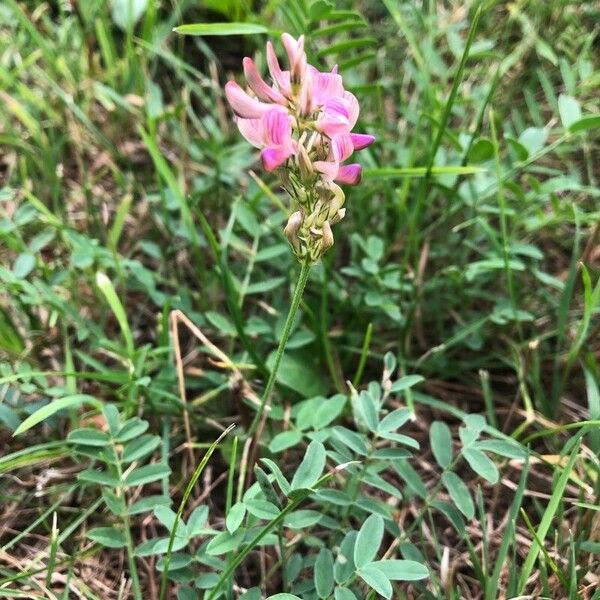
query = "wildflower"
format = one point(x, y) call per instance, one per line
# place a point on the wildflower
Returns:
point(302, 122)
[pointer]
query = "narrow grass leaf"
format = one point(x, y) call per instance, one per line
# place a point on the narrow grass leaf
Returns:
point(220, 29)
point(44, 413)
point(548, 516)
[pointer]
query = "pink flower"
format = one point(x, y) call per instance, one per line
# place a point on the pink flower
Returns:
point(340, 114)
point(302, 111)
point(342, 146)
point(273, 134)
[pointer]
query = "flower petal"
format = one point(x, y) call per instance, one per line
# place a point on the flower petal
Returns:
point(281, 78)
point(329, 168)
point(325, 86)
point(274, 157)
point(352, 107)
point(341, 146)
point(349, 174)
point(252, 130)
point(277, 127)
point(296, 56)
point(259, 86)
point(361, 140)
point(244, 105)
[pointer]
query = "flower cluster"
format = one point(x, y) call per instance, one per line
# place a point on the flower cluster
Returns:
point(302, 123)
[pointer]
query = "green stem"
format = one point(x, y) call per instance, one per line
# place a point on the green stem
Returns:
point(287, 328)
point(135, 580)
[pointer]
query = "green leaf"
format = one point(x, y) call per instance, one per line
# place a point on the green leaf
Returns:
point(223, 324)
point(284, 440)
point(107, 536)
point(106, 287)
point(100, 477)
point(53, 407)
point(111, 414)
point(441, 443)
point(402, 570)
point(344, 594)
point(368, 540)
point(395, 420)
point(503, 448)
point(220, 29)
point(235, 517)
point(585, 123)
point(148, 503)
point(225, 542)
point(351, 439)
point(262, 509)
point(481, 464)
point(133, 428)
point(284, 596)
point(298, 375)
point(147, 474)
point(481, 150)
point(24, 264)
point(376, 579)
point(88, 436)
point(397, 172)
point(405, 382)
point(569, 110)
point(126, 13)
point(323, 574)
point(459, 493)
point(311, 467)
point(532, 139)
point(140, 448)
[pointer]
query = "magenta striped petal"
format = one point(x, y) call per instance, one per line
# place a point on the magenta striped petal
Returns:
point(329, 168)
point(341, 146)
point(277, 125)
point(259, 86)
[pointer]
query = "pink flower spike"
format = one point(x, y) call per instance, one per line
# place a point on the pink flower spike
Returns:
point(361, 140)
point(349, 174)
point(243, 105)
point(259, 86)
point(281, 78)
point(273, 158)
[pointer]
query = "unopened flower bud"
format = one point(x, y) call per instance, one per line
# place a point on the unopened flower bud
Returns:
point(304, 162)
point(327, 240)
point(293, 226)
point(338, 216)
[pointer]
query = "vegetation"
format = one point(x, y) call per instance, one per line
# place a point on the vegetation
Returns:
point(433, 429)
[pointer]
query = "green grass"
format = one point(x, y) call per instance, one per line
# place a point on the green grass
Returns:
point(468, 257)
